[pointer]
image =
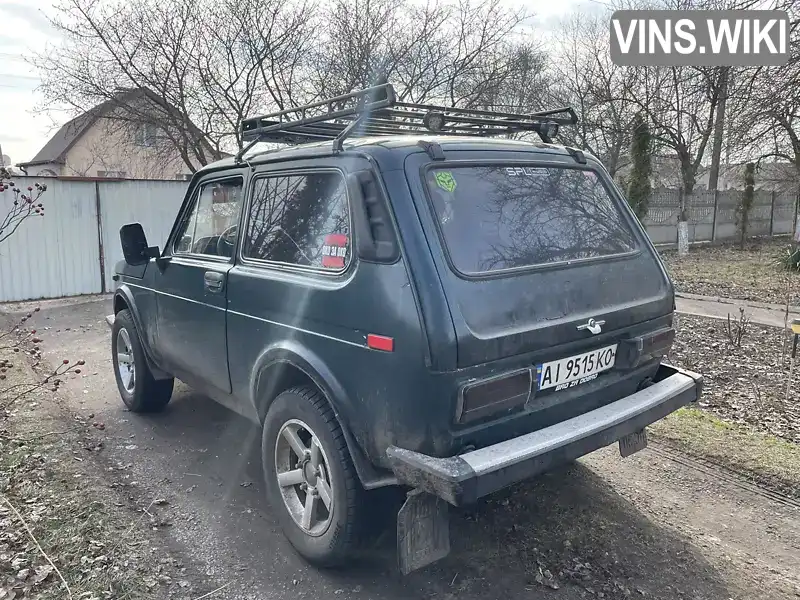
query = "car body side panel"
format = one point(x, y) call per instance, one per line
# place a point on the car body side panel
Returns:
point(434, 311)
point(269, 311)
point(136, 287)
point(323, 320)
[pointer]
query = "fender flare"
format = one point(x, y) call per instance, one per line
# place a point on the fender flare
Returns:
point(124, 292)
point(289, 352)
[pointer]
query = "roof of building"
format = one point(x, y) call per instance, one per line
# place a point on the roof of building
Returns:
point(56, 148)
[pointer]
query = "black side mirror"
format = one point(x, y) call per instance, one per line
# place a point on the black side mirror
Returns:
point(134, 245)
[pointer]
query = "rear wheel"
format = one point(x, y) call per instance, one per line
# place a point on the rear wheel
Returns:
point(139, 390)
point(310, 479)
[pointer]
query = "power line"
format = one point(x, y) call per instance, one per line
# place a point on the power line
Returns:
point(13, 76)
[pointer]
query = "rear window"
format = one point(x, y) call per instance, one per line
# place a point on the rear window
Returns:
point(497, 217)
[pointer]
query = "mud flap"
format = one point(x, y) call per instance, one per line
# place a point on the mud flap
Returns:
point(423, 531)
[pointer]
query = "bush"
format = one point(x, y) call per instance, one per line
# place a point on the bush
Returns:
point(24, 204)
point(789, 258)
point(639, 181)
point(746, 203)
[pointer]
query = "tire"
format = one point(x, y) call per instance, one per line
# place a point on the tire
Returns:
point(330, 536)
point(139, 390)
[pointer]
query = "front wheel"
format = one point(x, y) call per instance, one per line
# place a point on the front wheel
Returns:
point(310, 479)
point(139, 390)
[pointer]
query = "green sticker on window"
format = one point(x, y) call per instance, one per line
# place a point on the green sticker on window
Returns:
point(446, 181)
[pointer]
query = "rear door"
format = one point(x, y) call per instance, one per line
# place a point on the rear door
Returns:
point(530, 247)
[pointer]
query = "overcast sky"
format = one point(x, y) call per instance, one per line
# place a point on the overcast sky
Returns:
point(24, 29)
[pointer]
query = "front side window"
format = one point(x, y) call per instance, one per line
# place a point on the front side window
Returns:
point(300, 220)
point(211, 226)
point(494, 218)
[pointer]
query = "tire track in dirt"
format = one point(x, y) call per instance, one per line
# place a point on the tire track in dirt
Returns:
point(709, 467)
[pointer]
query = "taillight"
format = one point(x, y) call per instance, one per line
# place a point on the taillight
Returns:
point(493, 396)
point(636, 351)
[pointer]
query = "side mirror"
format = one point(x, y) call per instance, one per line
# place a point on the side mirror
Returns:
point(134, 245)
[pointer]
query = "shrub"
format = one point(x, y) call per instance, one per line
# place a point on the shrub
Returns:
point(789, 258)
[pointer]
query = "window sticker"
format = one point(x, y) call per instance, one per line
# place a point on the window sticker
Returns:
point(526, 171)
point(446, 181)
point(334, 251)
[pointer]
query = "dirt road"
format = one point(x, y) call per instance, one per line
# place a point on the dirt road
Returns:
point(653, 526)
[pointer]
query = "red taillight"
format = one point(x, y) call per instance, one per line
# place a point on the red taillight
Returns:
point(380, 342)
point(494, 397)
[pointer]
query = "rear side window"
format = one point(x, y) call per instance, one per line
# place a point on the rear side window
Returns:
point(300, 220)
point(494, 218)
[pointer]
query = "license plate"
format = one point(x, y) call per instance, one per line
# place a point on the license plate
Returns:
point(633, 443)
point(572, 371)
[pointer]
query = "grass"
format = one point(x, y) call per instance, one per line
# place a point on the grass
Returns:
point(764, 458)
point(728, 271)
point(75, 522)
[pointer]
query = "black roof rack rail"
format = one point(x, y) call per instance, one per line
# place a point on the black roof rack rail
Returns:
point(375, 111)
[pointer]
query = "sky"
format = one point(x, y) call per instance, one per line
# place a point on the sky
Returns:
point(25, 30)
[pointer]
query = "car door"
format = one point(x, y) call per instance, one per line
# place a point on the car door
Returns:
point(296, 257)
point(192, 288)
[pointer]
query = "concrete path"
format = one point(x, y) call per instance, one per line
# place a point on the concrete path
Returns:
point(719, 308)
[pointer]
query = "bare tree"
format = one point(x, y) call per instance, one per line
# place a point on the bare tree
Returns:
point(584, 77)
point(524, 84)
point(771, 128)
point(453, 53)
point(192, 69)
point(17, 204)
point(251, 59)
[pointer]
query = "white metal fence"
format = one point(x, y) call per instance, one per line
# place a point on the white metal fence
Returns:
point(70, 251)
point(73, 251)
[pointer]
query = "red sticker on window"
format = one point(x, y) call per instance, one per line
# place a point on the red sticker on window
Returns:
point(334, 250)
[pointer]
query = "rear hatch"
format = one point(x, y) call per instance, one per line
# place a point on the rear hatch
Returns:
point(529, 251)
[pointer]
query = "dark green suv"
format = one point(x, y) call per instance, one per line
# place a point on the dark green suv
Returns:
point(413, 298)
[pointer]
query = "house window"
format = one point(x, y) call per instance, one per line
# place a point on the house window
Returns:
point(146, 135)
point(113, 174)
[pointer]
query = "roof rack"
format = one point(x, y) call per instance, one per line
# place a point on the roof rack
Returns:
point(375, 111)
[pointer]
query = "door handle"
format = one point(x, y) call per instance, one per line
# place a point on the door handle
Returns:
point(213, 281)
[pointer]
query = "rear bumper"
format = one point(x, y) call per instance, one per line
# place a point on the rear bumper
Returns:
point(465, 478)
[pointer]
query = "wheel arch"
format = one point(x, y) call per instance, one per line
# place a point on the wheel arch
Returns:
point(288, 364)
point(123, 300)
